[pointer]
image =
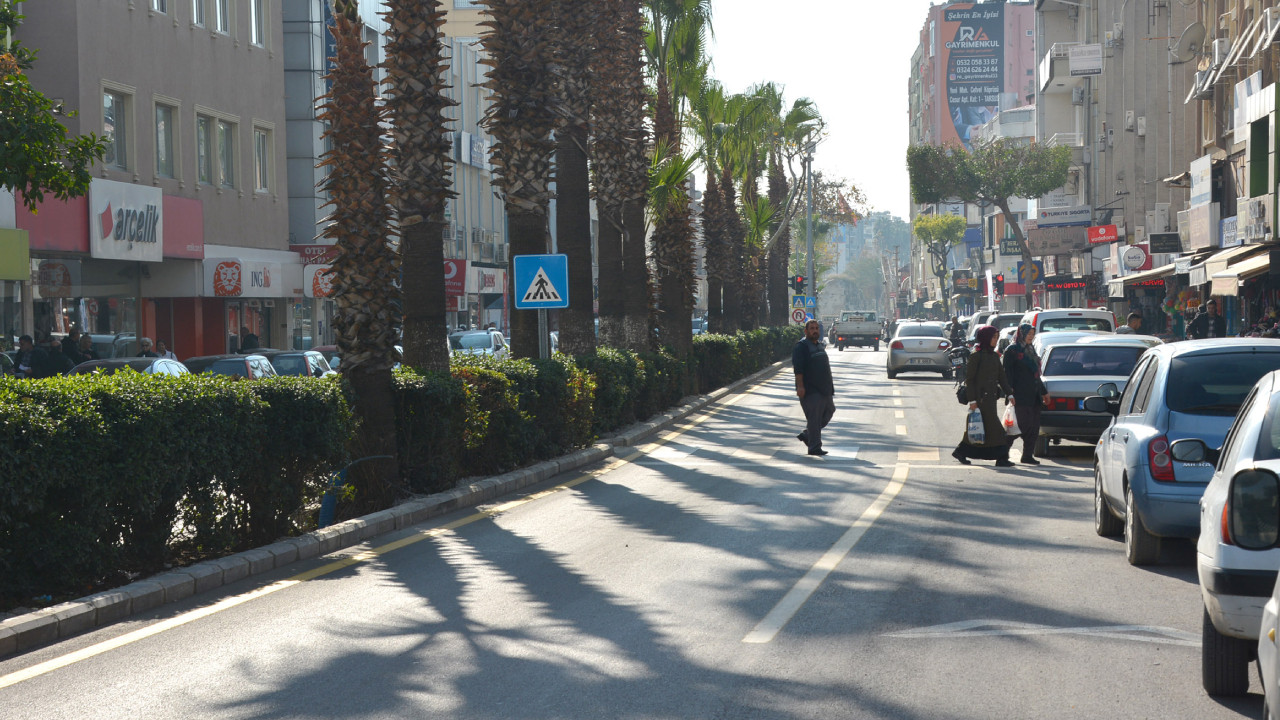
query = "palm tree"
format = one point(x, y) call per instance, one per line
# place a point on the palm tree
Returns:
point(574, 22)
point(709, 110)
point(366, 266)
point(523, 114)
point(416, 103)
point(620, 165)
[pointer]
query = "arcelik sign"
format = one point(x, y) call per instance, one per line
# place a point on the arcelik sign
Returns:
point(1103, 234)
point(125, 221)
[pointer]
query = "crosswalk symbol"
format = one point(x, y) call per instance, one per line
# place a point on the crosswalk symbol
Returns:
point(541, 290)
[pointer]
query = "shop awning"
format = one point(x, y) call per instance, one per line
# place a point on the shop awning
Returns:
point(1219, 262)
point(1161, 272)
point(1228, 281)
point(930, 304)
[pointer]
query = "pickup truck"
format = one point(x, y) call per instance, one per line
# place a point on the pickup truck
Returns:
point(856, 327)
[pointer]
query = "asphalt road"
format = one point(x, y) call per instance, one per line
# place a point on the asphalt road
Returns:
point(717, 572)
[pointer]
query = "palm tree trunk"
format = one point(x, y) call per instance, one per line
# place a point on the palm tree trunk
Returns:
point(636, 282)
point(575, 20)
point(529, 235)
point(733, 239)
point(609, 259)
point(712, 221)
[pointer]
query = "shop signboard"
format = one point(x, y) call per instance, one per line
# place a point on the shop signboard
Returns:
point(1257, 219)
point(183, 228)
point(317, 280)
point(57, 278)
point(1136, 258)
point(490, 281)
point(1060, 216)
point(1009, 246)
point(125, 221)
point(1057, 240)
point(320, 254)
point(1084, 60)
point(972, 53)
point(236, 277)
point(1202, 222)
point(455, 277)
point(1201, 181)
point(1065, 282)
point(1230, 238)
point(15, 255)
point(1165, 242)
point(1103, 234)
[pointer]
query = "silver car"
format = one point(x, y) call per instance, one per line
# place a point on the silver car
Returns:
point(1072, 372)
point(919, 346)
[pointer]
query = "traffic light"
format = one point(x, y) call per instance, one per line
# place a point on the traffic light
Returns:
point(799, 284)
point(997, 283)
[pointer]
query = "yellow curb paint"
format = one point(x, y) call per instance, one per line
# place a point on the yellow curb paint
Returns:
point(790, 604)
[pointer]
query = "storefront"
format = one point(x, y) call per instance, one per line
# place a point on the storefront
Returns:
point(313, 314)
point(258, 291)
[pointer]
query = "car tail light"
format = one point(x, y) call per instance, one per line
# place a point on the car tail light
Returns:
point(944, 345)
point(897, 345)
point(1159, 460)
point(1061, 403)
point(1226, 523)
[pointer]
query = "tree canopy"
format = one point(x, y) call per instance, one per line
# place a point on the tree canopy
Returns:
point(938, 234)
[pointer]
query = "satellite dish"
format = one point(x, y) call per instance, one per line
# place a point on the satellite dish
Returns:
point(1189, 44)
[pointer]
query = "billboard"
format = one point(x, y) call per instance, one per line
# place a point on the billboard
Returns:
point(973, 57)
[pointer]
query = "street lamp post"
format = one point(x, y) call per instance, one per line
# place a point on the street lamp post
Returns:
point(808, 226)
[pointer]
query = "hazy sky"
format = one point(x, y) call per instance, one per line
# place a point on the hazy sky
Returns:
point(852, 57)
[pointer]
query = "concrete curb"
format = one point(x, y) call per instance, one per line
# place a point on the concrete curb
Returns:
point(47, 625)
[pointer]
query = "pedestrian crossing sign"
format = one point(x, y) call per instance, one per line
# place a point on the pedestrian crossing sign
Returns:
point(810, 302)
point(541, 281)
point(797, 301)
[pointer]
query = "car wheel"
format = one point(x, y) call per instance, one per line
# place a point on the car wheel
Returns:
point(1224, 661)
point(876, 346)
point(841, 348)
point(1042, 446)
point(1140, 546)
point(892, 374)
point(1105, 522)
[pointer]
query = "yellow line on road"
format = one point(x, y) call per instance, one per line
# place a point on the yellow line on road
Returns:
point(360, 557)
point(790, 604)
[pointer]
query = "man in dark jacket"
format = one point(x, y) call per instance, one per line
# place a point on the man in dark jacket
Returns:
point(814, 386)
point(31, 361)
point(71, 347)
point(1022, 368)
point(1208, 324)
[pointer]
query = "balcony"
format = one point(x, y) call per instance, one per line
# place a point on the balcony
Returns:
point(1065, 140)
point(1055, 69)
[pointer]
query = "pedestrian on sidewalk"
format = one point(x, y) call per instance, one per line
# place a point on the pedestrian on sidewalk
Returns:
point(144, 345)
point(985, 383)
point(1022, 368)
point(163, 351)
point(814, 386)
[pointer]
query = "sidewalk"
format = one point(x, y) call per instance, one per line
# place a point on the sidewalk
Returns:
point(24, 632)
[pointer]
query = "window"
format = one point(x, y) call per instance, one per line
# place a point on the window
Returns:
point(226, 154)
point(1144, 375)
point(160, 5)
point(1216, 384)
point(115, 129)
point(165, 130)
point(197, 12)
point(204, 149)
point(258, 22)
point(262, 159)
point(222, 16)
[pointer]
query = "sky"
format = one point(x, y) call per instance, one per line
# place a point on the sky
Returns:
point(851, 57)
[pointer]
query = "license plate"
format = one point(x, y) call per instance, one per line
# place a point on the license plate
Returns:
point(921, 361)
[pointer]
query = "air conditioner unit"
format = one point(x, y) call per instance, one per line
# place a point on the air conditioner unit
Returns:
point(1142, 126)
point(1161, 222)
point(1128, 120)
point(500, 253)
point(1077, 96)
point(477, 235)
point(1117, 32)
point(1221, 49)
point(477, 250)
point(448, 232)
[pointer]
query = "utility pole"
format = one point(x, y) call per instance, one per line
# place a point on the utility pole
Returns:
point(808, 226)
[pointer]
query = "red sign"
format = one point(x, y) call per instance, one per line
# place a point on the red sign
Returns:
point(227, 279)
point(1103, 234)
point(316, 254)
point(183, 228)
point(1012, 288)
point(1097, 303)
point(455, 278)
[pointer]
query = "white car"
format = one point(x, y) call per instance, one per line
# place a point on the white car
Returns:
point(1071, 319)
point(1267, 665)
point(480, 342)
point(1238, 551)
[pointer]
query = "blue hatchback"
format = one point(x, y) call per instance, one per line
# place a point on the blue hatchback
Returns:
point(1180, 390)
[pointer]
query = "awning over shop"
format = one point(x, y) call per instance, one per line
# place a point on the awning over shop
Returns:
point(1220, 261)
point(1228, 281)
point(1163, 271)
point(930, 304)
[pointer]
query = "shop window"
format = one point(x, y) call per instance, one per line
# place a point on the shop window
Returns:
point(115, 128)
point(165, 131)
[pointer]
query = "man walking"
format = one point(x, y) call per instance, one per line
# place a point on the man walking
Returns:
point(1208, 324)
point(814, 386)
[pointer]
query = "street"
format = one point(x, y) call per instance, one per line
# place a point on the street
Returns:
point(716, 572)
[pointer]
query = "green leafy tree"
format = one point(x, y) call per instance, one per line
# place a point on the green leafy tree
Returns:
point(993, 174)
point(938, 234)
point(36, 154)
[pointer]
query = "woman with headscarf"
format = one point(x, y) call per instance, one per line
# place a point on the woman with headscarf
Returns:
point(985, 383)
point(1022, 367)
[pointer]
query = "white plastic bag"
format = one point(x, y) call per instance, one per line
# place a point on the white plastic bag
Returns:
point(1011, 422)
point(976, 431)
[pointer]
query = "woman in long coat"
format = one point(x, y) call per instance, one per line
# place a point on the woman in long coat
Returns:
point(1022, 367)
point(985, 383)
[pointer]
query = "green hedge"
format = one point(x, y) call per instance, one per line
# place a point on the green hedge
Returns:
point(107, 477)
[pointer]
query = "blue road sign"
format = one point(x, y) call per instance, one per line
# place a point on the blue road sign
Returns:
point(810, 301)
point(797, 301)
point(541, 281)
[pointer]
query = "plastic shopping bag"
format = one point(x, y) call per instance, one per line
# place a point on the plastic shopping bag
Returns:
point(1011, 422)
point(977, 433)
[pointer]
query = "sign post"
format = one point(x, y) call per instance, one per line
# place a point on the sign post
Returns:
point(541, 283)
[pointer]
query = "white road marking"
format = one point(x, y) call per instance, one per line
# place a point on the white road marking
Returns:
point(899, 414)
point(901, 429)
point(791, 603)
point(1004, 628)
point(897, 402)
point(897, 392)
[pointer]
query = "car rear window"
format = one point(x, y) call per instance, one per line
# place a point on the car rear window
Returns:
point(290, 364)
point(1076, 323)
point(1071, 360)
point(230, 367)
point(1215, 384)
point(920, 331)
point(1004, 322)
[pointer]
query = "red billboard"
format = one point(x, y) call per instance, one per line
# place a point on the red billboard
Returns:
point(455, 278)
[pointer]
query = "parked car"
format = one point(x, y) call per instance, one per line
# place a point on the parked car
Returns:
point(1042, 343)
point(145, 365)
point(1007, 324)
point(6, 364)
point(250, 366)
point(1068, 319)
point(119, 345)
point(1237, 556)
point(1177, 391)
point(1268, 665)
point(974, 322)
point(480, 342)
point(1072, 372)
point(699, 326)
point(302, 363)
point(1111, 338)
point(919, 346)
